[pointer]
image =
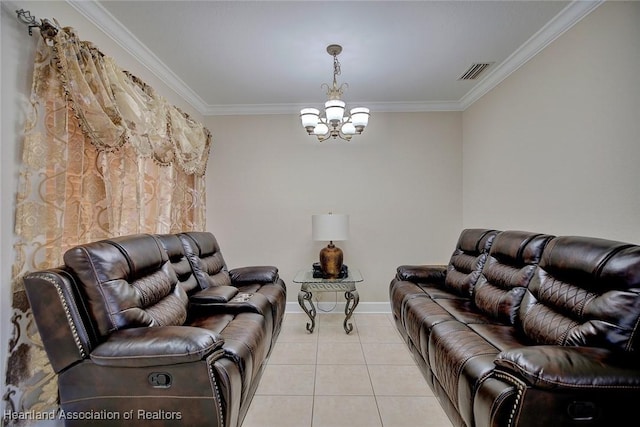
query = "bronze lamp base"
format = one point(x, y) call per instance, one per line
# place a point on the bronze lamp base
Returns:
point(331, 261)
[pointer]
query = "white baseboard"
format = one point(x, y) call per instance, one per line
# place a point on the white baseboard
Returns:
point(333, 307)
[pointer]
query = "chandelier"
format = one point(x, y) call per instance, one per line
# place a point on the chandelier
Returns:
point(332, 122)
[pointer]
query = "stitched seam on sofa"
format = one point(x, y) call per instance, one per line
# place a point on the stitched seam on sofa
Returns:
point(113, 326)
point(67, 312)
point(516, 368)
point(520, 387)
point(236, 359)
point(92, 335)
point(214, 384)
point(464, 362)
point(629, 346)
point(496, 403)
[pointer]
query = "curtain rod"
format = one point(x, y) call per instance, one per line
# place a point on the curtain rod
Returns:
point(46, 27)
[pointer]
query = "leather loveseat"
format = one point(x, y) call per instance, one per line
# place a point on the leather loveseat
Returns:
point(527, 329)
point(155, 330)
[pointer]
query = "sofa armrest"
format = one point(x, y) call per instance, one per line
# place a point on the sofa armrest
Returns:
point(214, 295)
point(257, 274)
point(422, 273)
point(564, 367)
point(155, 346)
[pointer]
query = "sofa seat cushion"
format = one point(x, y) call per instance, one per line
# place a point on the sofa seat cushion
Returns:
point(402, 295)
point(464, 311)
point(168, 345)
point(421, 312)
point(398, 290)
point(502, 337)
point(247, 341)
point(241, 303)
point(214, 323)
point(453, 347)
point(275, 293)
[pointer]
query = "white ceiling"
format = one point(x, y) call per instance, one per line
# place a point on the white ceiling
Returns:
point(247, 57)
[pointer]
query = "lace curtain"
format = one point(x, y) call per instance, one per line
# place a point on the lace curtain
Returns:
point(103, 155)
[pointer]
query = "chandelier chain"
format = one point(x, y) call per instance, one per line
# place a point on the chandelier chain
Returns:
point(336, 66)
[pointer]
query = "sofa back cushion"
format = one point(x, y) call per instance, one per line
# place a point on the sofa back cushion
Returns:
point(205, 258)
point(128, 282)
point(179, 261)
point(506, 274)
point(467, 260)
point(585, 292)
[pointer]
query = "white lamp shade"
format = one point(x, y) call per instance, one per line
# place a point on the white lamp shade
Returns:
point(360, 116)
point(330, 227)
point(309, 117)
point(334, 109)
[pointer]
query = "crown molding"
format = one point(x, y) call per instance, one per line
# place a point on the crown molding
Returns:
point(120, 34)
point(374, 107)
point(562, 22)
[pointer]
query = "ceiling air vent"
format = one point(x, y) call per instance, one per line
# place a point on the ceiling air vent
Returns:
point(474, 71)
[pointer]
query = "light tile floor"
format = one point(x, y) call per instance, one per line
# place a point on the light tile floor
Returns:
point(330, 379)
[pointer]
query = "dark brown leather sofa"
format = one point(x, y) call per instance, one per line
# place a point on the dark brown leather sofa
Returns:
point(526, 329)
point(155, 330)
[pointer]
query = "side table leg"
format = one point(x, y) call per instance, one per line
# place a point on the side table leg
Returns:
point(311, 310)
point(353, 299)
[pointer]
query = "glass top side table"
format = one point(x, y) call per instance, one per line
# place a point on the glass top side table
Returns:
point(310, 284)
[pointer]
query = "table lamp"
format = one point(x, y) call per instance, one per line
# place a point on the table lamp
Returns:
point(331, 227)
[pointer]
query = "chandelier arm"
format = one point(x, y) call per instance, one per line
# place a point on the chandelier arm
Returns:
point(322, 138)
point(344, 137)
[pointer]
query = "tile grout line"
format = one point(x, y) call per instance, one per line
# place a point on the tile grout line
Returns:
point(315, 369)
point(373, 390)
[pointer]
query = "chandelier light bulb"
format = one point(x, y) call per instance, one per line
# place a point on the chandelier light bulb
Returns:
point(348, 129)
point(321, 129)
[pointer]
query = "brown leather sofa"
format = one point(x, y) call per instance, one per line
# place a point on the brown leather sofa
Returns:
point(155, 330)
point(526, 329)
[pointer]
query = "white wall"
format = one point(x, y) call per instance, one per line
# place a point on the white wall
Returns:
point(556, 147)
point(399, 181)
point(17, 56)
